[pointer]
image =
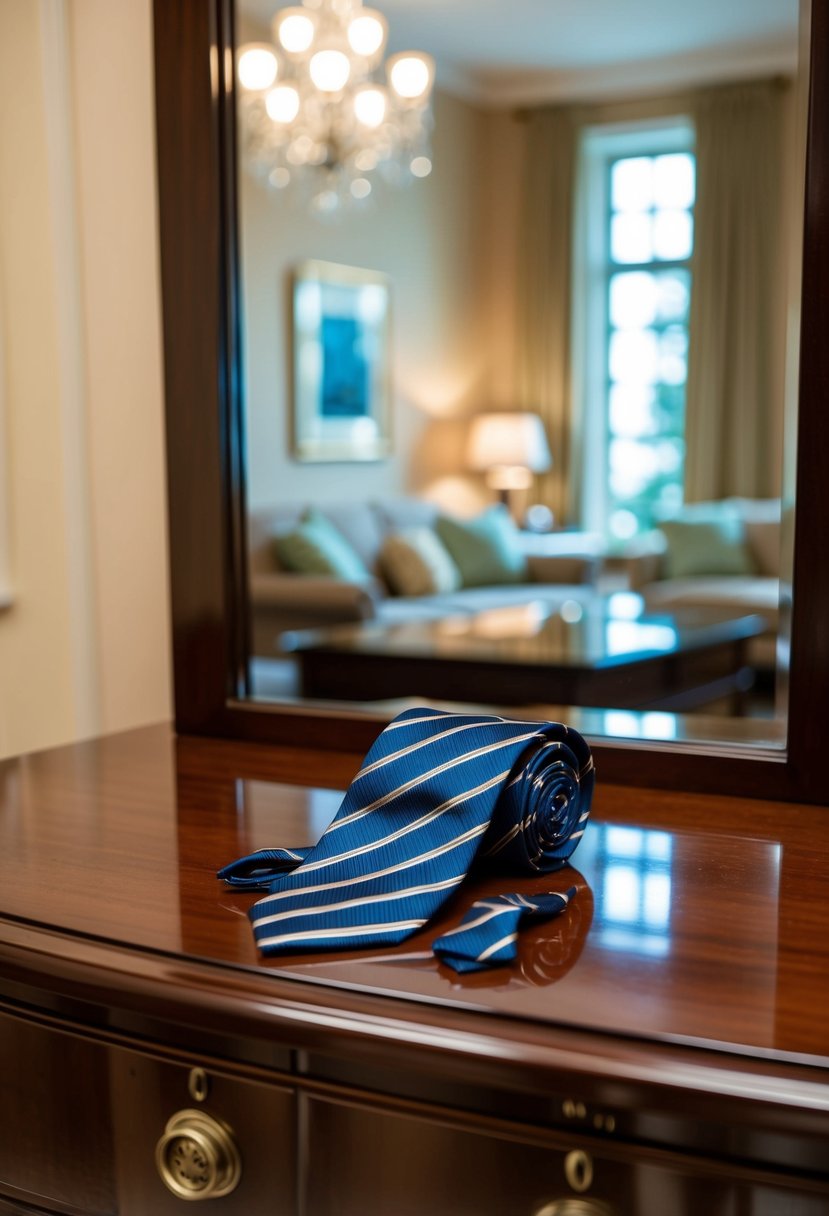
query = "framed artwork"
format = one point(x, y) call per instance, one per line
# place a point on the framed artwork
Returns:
point(341, 363)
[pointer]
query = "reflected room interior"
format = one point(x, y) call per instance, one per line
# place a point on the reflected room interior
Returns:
point(520, 333)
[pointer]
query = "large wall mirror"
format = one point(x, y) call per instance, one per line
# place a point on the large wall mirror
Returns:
point(509, 372)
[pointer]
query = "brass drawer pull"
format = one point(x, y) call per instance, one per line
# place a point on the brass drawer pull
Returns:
point(197, 1156)
point(578, 1170)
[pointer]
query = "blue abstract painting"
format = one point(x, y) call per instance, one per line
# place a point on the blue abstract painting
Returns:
point(345, 371)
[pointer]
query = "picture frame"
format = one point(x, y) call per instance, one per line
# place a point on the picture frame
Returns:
point(341, 363)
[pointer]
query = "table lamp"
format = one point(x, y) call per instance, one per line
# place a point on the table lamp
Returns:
point(508, 448)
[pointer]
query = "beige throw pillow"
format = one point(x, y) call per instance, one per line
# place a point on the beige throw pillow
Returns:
point(415, 562)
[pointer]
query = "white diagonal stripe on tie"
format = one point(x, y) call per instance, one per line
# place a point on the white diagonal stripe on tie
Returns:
point(496, 946)
point(485, 917)
point(438, 715)
point(402, 893)
point(335, 932)
point(464, 838)
point(438, 770)
point(413, 747)
point(415, 825)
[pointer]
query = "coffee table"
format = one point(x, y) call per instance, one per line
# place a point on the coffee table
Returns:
point(607, 652)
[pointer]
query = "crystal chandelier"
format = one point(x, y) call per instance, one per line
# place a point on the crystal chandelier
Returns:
point(316, 110)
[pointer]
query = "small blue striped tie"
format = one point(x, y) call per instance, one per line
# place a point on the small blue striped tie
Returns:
point(436, 792)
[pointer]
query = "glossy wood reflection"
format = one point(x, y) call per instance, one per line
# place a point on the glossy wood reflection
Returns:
point(671, 1025)
point(697, 919)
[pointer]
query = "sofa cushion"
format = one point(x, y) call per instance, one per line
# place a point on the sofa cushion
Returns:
point(763, 541)
point(397, 514)
point(358, 523)
point(742, 596)
point(700, 546)
point(416, 562)
point(761, 518)
point(486, 549)
point(315, 546)
point(263, 526)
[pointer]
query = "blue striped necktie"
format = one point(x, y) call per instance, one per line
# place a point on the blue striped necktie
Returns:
point(436, 792)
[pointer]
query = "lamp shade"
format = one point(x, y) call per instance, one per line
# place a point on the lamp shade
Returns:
point(502, 444)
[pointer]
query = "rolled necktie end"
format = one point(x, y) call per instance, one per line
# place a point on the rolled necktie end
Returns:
point(488, 934)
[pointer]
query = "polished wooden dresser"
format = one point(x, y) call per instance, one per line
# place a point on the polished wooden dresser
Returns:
point(662, 1048)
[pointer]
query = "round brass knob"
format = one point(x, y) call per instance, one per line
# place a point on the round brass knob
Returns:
point(571, 1206)
point(197, 1156)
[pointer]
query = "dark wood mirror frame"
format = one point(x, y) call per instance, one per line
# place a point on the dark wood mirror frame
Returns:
point(205, 442)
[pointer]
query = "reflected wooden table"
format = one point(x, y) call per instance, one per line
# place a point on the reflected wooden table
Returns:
point(596, 651)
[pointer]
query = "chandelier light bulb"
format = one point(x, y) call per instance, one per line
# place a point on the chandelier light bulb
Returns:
point(366, 160)
point(294, 30)
point(325, 103)
point(326, 202)
point(257, 67)
point(421, 166)
point(330, 71)
point(282, 103)
point(301, 151)
point(370, 106)
point(410, 75)
point(367, 33)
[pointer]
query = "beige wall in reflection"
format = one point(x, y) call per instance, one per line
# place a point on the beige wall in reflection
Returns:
point(445, 242)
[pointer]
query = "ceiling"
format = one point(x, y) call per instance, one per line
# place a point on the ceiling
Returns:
point(509, 51)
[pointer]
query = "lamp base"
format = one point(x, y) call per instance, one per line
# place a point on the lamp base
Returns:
point(538, 518)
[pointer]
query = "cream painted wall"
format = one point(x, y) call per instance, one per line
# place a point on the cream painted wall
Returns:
point(430, 239)
point(39, 699)
point(112, 60)
point(84, 644)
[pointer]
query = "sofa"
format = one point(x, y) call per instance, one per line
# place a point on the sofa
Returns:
point(730, 554)
point(553, 568)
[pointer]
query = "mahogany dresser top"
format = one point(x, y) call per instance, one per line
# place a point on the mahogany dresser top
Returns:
point(699, 921)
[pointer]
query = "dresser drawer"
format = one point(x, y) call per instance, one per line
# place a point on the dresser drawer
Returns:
point(80, 1122)
point(369, 1160)
point(260, 1119)
point(56, 1137)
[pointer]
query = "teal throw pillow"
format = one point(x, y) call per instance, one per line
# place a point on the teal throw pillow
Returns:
point(316, 547)
point(486, 550)
point(699, 547)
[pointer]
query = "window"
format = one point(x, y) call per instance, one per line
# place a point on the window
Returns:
point(637, 224)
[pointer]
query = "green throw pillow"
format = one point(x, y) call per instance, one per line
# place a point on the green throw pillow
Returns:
point(316, 547)
point(486, 549)
point(706, 547)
